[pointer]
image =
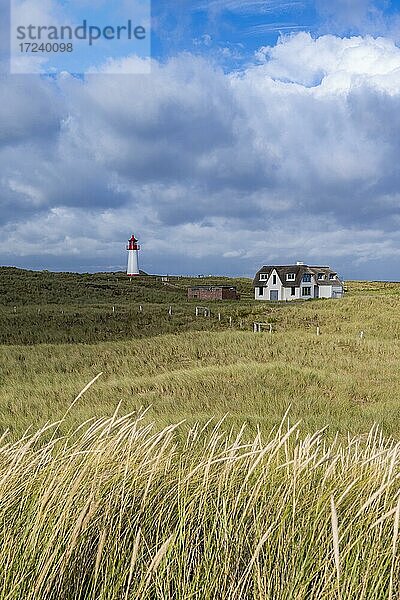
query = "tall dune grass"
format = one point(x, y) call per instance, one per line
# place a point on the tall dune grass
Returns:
point(336, 380)
point(118, 509)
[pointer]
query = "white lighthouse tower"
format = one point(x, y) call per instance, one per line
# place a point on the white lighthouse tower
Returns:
point(133, 257)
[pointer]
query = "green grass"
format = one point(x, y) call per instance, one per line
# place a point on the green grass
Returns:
point(21, 288)
point(42, 307)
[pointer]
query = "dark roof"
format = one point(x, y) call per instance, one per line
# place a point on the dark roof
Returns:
point(212, 287)
point(299, 271)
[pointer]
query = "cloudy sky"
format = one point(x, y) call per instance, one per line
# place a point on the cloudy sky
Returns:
point(268, 131)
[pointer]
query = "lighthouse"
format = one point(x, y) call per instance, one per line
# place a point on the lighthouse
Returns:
point(133, 257)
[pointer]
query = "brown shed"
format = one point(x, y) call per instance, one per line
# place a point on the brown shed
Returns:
point(213, 292)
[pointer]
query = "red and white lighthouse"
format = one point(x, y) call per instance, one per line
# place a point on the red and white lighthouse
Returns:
point(133, 257)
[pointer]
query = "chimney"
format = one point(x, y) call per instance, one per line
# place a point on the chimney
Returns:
point(299, 263)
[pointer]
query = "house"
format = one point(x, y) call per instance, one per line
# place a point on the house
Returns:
point(297, 282)
point(213, 292)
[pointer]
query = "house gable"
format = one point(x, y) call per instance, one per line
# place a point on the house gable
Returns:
point(290, 276)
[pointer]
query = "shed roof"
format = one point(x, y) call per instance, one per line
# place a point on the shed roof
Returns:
point(212, 288)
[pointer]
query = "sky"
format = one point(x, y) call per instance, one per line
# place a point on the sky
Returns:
point(264, 132)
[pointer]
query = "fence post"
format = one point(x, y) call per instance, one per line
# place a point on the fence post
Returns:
point(170, 311)
point(270, 327)
point(219, 317)
point(362, 335)
point(318, 331)
point(230, 321)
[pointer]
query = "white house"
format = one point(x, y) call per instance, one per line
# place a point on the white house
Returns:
point(297, 282)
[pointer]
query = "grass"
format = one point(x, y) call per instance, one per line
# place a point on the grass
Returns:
point(339, 381)
point(119, 509)
point(198, 368)
point(57, 308)
point(232, 502)
point(54, 308)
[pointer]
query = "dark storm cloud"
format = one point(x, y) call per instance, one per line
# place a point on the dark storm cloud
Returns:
point(30, 110)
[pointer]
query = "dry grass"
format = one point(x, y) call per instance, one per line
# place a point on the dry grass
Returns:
point(231, 503)
point(334, 379)
point(118, 509)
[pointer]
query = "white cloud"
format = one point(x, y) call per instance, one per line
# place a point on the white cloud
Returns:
point(294, 157)
point(308, 61)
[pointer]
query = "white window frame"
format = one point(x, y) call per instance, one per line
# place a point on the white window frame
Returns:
point(263, 276)
point(332, 276)
point(306, 287)
point(291, 277)
point(321, 276)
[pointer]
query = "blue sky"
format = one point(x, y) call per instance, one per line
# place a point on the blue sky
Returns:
point(207, 26)
point(267, 132)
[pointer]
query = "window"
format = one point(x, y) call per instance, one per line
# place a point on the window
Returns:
point(306, 291)
point(263, 276)
point(274, 279)
point(261, 291)
point(290, 276)
point(293, 291)
point(307, 277)
point(321, 276)
point(332, 276)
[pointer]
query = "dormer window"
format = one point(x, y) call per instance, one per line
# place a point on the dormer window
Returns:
point(263, 276)
point(307, 277)
point(321, 276)
point(332, 276)
point(290, 276)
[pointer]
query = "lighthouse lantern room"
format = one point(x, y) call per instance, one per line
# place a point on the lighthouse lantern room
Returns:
point(133, 257)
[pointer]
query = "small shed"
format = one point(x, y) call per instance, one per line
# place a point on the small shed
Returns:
point(213, 292)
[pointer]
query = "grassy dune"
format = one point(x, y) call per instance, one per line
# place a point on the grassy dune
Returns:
point(332, 380)
point(54, 308)
point(230, 503)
